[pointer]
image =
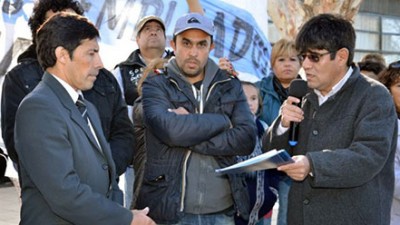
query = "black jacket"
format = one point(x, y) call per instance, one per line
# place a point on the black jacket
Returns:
point(131, 71)
point(225, 129)
point(105, 95)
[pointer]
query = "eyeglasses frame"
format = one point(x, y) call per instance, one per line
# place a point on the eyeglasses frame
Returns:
point(303, 56)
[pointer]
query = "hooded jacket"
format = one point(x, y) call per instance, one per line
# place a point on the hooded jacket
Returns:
point(220, 125)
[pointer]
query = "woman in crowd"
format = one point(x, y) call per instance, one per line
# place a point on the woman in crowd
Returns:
point(390, 77)
point(285, 65)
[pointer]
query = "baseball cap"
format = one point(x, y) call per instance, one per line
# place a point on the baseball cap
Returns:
point(144, 20)
point(194, 21)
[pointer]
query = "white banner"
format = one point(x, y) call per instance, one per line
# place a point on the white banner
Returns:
point(240, 29)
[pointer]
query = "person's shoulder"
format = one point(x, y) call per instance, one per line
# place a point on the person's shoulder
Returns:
point(223, 75)
point(266, 79)
point(41, 95)
point(370, 84)
point(106, 76)
point(26, 68)
point(132, 60)
point(265, 83)
point(158, 74)
point(371, 88)
point(105, 85)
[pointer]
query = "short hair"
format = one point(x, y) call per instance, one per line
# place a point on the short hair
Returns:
point(390, 75)
point(374, 67)
point(327, 31)
point(63, 29)
point(38, 16)
point(373, 62)
point(374, 57)
point(283, 47)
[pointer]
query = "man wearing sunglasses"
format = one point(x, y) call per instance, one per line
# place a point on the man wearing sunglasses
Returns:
point(343, 169)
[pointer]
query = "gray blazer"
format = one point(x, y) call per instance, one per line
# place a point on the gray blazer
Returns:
point(66, 177)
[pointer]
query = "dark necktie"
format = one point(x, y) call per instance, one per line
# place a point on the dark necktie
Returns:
point(82, 107)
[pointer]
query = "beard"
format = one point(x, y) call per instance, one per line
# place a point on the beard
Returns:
point(191, 71)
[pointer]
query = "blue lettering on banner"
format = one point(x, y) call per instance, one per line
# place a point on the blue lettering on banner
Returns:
point(237, 35)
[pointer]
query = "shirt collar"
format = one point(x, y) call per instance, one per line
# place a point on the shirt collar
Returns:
point(335, 88)
point(71, 91)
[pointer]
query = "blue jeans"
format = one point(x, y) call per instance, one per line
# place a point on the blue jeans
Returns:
point(207, 219)
point(128, 189)
point(283, 194)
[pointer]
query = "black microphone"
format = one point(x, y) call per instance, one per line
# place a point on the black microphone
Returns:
point(297, 88)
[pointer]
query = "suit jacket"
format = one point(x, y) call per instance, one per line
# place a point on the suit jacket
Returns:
point(105, 95)
point(66, 177)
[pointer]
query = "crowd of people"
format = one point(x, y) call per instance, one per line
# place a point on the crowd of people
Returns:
point(168, 119)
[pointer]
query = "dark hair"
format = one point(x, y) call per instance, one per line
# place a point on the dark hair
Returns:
point(389, 76)
point(327, 31)
point(63, 29)
point(38, 16)
point(374, 67)
point(373, 62)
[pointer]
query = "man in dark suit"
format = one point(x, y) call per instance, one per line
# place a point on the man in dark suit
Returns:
point(66, 167)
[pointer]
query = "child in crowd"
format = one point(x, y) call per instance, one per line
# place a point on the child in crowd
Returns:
point(262, 195)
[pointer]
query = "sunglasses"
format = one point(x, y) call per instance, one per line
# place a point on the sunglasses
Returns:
point(394, 65)
point(313, 56)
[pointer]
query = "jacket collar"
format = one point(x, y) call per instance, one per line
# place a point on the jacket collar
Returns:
point(28, 54)
point(354, 77)
point(74, 113)
point(134, 58)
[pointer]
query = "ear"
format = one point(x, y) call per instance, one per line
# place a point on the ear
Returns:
point(212, 46)
point(62, 55)
point(173, 46)
point(343, 55)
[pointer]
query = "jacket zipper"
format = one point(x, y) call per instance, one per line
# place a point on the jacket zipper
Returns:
point(184, 169)
point(188, 153)
point(184, 165)
point(213, 86)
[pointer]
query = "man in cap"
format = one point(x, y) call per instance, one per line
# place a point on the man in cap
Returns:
point(197, 120)
point(150, 38)
point(151, 41)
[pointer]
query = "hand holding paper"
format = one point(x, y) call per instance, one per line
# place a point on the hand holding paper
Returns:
point(299, 169)
point(269, 160)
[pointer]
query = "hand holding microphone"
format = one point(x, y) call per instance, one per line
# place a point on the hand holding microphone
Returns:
point(292, 114)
